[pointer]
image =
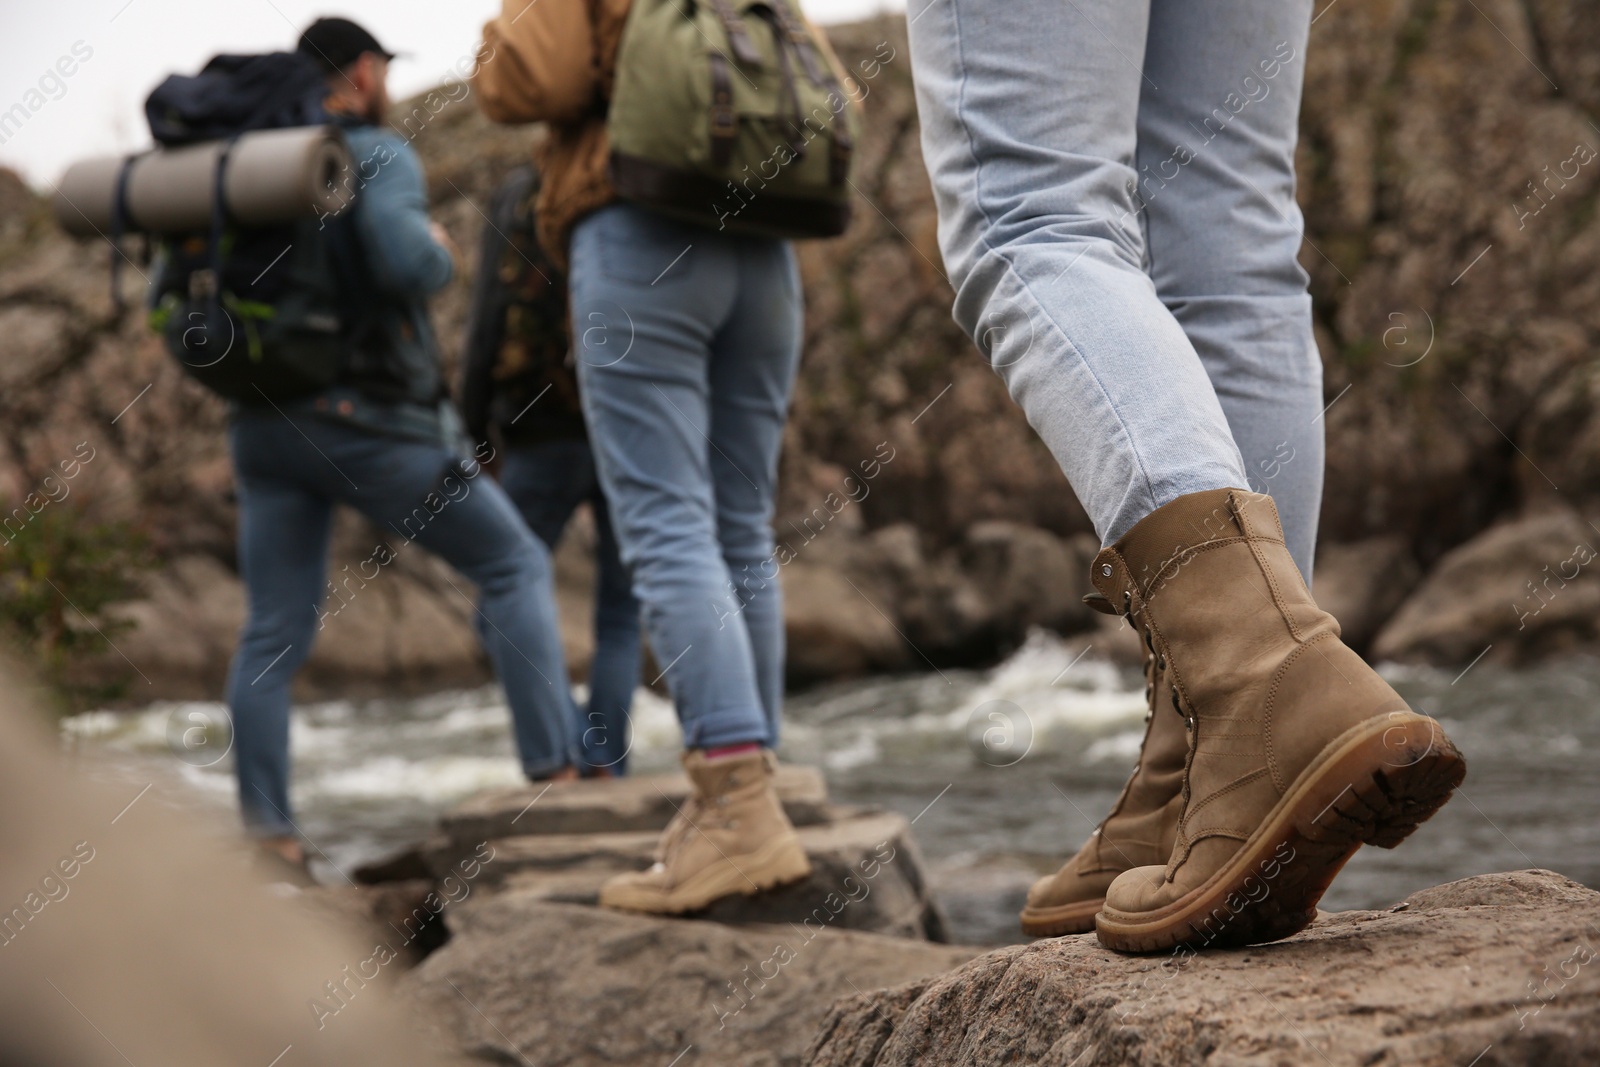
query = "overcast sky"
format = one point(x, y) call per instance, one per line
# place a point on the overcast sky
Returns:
point(117, 50)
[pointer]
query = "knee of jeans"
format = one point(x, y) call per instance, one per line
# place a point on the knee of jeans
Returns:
point(678, 579)
point(528, 563)
point(292, 629)
point(1207, 250)
point(752, 571)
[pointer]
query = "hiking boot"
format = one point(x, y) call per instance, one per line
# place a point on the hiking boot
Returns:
point(730, 836)
point(1298, 752)
point(1140, 829)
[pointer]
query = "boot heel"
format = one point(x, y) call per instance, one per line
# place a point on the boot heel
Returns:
point(1417, 769)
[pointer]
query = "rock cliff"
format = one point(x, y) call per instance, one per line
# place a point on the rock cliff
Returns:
point(1448, 167)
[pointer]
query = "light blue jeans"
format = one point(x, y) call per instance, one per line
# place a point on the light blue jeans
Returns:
point(547, 481)
point(687, 342)
point(1115, 185)
point(290, 472)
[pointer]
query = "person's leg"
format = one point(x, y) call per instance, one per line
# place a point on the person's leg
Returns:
point(615, 672)
point(421, 492)
point(753, 364)
point(477, 531)
point(648, 297)
point(1029, 114)
point(547, 481)
point(1217, 133)
point(283, 545)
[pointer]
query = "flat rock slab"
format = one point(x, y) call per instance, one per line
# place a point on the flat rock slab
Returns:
point(867, 874)
point(1493, 971)
point(637, 802)
point(525, 981)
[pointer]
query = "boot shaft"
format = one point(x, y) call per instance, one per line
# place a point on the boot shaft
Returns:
point(1256, 667)
point(1209, 582)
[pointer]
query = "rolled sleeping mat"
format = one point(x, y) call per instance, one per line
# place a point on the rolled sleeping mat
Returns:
point(272, 176)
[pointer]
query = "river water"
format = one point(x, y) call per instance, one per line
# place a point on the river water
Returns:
point(1004, 771)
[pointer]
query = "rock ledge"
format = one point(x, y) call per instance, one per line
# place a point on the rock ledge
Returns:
point(1494, 971)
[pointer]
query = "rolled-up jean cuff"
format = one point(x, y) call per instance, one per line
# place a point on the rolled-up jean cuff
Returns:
point(536, 771)
point(730, 726)
point(260, 829)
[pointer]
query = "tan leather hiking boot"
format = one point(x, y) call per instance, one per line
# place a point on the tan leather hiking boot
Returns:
point(1298, 752)
point(1139, 831)
point(730, 836)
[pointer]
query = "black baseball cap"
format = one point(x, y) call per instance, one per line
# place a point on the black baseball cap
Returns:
point(336, 43)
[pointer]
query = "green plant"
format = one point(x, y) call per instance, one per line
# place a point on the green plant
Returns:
point(61, 574)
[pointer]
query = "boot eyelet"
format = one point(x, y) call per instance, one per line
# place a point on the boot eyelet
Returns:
point(1161, 662)
point(1105, 569)
point(1177, 706)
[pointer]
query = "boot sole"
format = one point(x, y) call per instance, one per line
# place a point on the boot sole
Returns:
point(779, 863)
point(1063, 919)
point(1374, 784)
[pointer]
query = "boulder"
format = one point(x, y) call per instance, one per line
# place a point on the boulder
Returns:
point(831, 628)
point(1362, 583)
point(195, 595)
point(1525, 587)
point(640, 802)
point(866, 874)
point(405, 915)
point(1032, 578)
point(1493, 971)
point(526, 981)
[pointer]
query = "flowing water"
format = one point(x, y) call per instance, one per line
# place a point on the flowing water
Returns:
point(1004, 771)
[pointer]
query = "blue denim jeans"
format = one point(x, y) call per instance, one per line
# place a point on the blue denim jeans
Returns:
point(547, 482)
point(290, 473)
point(687, 342)
point(1115, 184)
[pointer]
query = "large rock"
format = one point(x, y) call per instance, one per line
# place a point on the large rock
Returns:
point(639, 802)
point(1526, 587)
point(527, 981)
point(1494, 971)
point(1032, 577)
point(832, 630)
point(866, 874)
point(1363, 582)
point(407, 916)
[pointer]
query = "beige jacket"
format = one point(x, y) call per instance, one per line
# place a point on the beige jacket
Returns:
point(553, 61)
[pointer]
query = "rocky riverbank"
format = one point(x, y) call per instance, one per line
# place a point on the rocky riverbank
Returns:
point(1493, 971)
point(507, 959)
point(1449, 195)
point(519, 962)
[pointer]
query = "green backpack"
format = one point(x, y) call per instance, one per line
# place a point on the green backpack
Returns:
point(727, 113)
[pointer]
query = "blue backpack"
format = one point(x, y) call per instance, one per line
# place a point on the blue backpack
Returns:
point(257, 314)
